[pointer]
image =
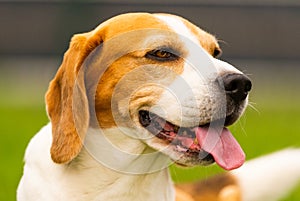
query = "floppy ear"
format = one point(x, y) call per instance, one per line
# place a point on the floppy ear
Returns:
point(66, 100)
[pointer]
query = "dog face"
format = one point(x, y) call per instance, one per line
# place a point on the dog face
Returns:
point(157, 76)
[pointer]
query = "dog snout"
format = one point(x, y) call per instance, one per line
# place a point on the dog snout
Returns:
point(236, 86)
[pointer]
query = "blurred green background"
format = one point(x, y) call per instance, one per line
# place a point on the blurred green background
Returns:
point(261, 38)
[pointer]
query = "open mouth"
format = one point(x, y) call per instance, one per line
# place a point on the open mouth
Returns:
point(200, 142)
point(184, 139)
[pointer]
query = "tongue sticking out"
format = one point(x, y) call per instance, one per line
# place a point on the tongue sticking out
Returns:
point(222, 146)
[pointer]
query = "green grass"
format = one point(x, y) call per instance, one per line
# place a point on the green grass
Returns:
point(272, 128)
point(18, 125)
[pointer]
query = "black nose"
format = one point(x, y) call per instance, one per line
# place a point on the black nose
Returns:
point(237, 86)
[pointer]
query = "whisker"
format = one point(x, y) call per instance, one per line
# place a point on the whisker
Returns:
point(251, 105)
point(241, 125)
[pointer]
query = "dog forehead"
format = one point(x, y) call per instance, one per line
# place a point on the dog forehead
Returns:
point(189, 32)
point(177, 25)
point(129, 22)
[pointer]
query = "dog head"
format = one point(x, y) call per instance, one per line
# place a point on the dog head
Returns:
point(157, 76)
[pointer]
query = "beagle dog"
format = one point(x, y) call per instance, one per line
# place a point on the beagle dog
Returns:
point(132, 96)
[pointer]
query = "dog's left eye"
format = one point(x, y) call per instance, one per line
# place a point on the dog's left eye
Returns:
point(161, 55)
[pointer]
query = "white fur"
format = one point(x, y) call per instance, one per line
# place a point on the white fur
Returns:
point(177, 26)
point(270, 177)
point(195, 94)
point(86, 178)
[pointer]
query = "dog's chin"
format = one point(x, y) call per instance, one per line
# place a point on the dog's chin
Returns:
point(190, 159)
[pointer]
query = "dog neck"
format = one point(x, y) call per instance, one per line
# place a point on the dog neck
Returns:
point(115, 166)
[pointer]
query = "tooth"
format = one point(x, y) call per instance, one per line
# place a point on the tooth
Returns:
point(179, 148)
point(196, 141)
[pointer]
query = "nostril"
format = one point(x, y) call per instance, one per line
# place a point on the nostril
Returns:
point(248, 86)
point(237, 86)
point(232, 86)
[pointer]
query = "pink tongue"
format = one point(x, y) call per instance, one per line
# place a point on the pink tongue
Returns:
point(222, 146)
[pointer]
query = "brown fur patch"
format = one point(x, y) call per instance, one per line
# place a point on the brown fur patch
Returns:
point(182, 196)
point(222, 187)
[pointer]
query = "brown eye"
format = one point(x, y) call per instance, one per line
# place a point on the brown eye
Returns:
point(161, 55)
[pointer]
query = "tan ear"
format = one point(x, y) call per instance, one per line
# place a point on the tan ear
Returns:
point(67, 102)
